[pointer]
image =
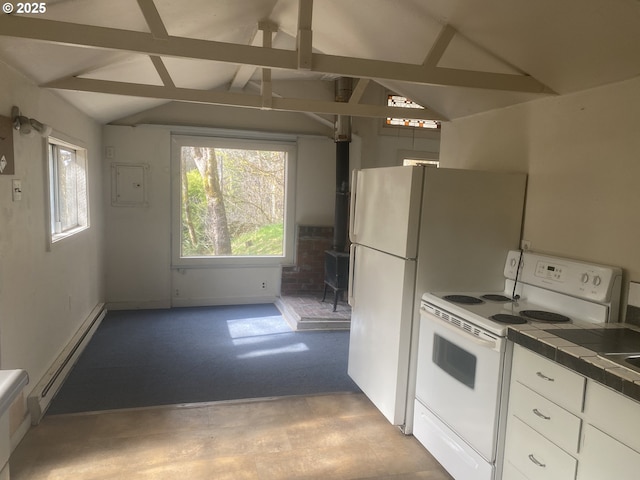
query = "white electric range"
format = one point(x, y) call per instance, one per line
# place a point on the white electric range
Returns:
point(464, 358)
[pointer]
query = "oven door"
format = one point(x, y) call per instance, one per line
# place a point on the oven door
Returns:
point(459, 378)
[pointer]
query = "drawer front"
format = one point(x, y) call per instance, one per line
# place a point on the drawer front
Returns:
point(551, 380)
point(459, 459)
point(544, 416)
point(535, 456)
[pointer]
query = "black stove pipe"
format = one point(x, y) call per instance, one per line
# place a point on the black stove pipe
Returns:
point(341, 220)
point(343, 86)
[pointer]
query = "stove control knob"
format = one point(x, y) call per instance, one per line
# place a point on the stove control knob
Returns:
point(585, 278)
point(597, 280)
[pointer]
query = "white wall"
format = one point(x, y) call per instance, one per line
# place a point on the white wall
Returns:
point(381, 144)
point(44, 295)
point(138, 239)
point(582, 154)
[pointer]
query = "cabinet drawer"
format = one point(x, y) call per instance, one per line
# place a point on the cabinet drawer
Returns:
point(551, 380)
point(535, 456)
point(544, 416)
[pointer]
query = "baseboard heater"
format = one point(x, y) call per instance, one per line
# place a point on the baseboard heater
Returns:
point(43, 393)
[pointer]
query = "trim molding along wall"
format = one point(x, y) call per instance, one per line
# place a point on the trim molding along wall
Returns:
point(46, 389)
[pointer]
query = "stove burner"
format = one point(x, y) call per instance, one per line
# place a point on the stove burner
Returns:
point(507, 318)
point(496, 298)
point(464, 299)
point(542, 316)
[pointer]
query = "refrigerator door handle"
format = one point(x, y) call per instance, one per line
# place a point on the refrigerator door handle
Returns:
point(352, 269)
point(352, 207)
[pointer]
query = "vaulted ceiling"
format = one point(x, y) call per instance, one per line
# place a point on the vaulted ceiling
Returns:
point(114, 59)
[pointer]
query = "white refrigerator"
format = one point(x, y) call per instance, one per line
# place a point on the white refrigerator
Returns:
point(413, 230)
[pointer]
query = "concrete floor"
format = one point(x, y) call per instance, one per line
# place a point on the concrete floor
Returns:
point(338, 436)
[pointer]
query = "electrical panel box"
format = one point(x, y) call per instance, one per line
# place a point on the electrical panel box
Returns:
point(129, 184)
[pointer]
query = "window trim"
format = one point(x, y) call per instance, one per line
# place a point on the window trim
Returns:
point(82, 153)
point(179, 140)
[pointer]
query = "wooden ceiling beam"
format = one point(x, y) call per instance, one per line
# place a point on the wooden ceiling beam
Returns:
point(141, 42)
point(304, 39)
point(235, 99)
point(267, 29)
point(153, 19)
point(245, 72)
point(358, 91)
point(161, 68)
point(438, 48)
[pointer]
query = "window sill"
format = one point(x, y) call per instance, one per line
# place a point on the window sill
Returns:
point(55, 238)
point(226, 262)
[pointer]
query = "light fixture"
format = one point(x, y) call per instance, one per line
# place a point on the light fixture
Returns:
point(41, 128)
point(26, 125)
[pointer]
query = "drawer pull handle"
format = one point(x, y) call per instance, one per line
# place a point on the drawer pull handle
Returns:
point(543, 376)
point(536, 461)
point(540, 414)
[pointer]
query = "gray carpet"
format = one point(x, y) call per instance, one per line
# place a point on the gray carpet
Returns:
point(142, 358)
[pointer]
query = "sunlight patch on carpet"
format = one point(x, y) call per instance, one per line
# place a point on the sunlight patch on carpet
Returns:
point(254, 327)
point(295, 348)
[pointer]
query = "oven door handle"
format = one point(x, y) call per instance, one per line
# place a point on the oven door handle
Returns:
point(459, 331)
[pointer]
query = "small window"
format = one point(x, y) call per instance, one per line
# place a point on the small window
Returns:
point(415, 157)
point(413, 162)
point(68, 190)
point(404, 102)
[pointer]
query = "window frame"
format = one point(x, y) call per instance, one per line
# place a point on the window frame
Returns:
point(289, 145)
point(52, 143)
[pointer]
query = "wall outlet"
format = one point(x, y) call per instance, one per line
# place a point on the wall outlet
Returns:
point(525, 245)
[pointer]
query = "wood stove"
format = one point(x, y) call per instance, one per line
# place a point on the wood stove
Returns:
point(336, 274)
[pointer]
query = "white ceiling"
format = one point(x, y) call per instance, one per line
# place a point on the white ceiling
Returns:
point(455, 57)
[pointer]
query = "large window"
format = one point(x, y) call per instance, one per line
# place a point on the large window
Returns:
point(232, 200)
point(68, 190)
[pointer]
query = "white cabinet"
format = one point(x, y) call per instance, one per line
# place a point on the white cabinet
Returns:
point(605, 457)
point(543, 424)
point(561, 425)
point(610, 443)
point(615, 414)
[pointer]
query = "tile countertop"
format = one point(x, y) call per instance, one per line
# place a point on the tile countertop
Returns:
point(580, 359)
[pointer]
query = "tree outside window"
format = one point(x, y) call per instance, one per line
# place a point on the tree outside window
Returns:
point(233, 202)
